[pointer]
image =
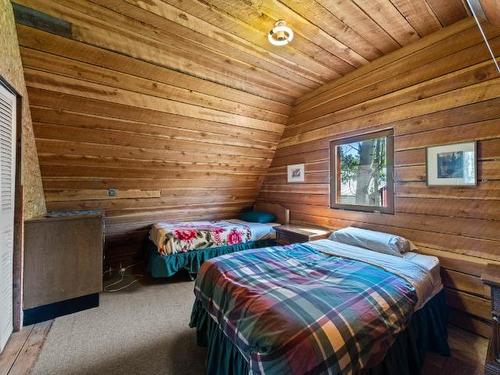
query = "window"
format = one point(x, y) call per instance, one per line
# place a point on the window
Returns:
point(361, 173)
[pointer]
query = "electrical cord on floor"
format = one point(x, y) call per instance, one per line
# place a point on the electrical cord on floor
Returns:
point(123, 274)
point(106, 288)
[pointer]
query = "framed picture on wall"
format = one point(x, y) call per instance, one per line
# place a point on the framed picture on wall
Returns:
point(452, 165)
point(295, 173)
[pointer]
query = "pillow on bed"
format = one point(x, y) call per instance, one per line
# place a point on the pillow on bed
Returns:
point(376, 241)
point(258, 217)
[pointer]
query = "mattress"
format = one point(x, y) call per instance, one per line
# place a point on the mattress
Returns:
point(431, 264)
point(422, 271)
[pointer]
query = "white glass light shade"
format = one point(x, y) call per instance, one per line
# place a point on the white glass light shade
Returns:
point(281, 34)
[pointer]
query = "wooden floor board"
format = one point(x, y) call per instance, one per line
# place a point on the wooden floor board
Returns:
point(12, 349)
point(468, 353)
point(23, 348)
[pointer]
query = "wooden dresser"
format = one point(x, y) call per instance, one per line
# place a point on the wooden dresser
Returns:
point(63, 257)
point(288, 234)
point(491, 277)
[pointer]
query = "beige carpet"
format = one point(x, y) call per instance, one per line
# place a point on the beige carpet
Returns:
point(143, 330)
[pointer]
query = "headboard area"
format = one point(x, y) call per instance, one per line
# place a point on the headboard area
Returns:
point(282, 214)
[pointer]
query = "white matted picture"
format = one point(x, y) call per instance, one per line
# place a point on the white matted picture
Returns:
point(296, 173)
point(452, 165)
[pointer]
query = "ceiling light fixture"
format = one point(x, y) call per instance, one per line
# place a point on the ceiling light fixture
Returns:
point(281, 34)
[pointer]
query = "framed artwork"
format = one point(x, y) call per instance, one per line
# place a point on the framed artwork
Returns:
point(452, 165)
point(295, 173)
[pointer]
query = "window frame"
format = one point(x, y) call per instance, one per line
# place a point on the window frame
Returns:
point(335, 172)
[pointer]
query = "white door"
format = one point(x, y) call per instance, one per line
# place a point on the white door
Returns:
point(7, 191)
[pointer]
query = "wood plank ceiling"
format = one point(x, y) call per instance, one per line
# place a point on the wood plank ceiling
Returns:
point(180, 104)
point(332, 37)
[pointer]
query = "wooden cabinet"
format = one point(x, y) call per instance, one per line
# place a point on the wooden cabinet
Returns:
point(491, 277)
point(62, 264)
point(288, 234)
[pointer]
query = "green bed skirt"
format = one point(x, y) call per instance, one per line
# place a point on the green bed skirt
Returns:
point(168, 265)
point(427, 332)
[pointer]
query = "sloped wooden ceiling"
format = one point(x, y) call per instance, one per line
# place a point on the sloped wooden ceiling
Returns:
point(179, 105)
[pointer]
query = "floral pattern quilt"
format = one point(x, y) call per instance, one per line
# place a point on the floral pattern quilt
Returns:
point(176, 237)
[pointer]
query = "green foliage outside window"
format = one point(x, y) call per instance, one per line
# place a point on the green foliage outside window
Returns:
point(363, 174)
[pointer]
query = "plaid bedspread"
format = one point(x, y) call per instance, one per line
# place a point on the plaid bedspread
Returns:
point(294, 310)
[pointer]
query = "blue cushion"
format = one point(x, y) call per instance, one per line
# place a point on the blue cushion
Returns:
point(258, 217)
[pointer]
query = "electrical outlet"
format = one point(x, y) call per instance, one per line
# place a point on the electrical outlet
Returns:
point(112, 192)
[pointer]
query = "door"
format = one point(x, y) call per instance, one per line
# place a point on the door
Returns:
point(7, 191)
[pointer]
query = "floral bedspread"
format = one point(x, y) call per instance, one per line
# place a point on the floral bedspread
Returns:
point(175, 237)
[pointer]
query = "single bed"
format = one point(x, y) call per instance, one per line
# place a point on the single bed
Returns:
point(172, 246)
point(322, 307)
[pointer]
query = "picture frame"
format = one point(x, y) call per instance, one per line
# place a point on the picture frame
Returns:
point(295, 173)
point(452, 164)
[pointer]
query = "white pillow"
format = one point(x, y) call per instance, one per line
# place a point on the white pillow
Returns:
point(376, 241)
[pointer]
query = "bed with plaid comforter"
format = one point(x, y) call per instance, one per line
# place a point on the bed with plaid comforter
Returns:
point(296, 310)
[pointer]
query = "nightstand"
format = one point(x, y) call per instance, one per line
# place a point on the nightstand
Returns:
point(288, 234)
point(491, 277)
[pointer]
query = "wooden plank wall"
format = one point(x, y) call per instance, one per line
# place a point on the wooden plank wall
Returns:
point(119, 104)
point(442, 89)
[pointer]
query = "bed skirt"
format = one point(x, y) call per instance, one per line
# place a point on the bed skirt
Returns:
point(427, 332)
point(168, 265)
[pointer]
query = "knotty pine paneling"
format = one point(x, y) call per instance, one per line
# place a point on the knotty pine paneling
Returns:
point(180, 132)
point(153, 98)
point(440, 89)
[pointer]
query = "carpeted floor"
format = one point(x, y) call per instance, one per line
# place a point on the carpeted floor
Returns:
point(143, 330)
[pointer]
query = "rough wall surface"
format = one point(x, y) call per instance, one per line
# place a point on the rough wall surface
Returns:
point(11, 70)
